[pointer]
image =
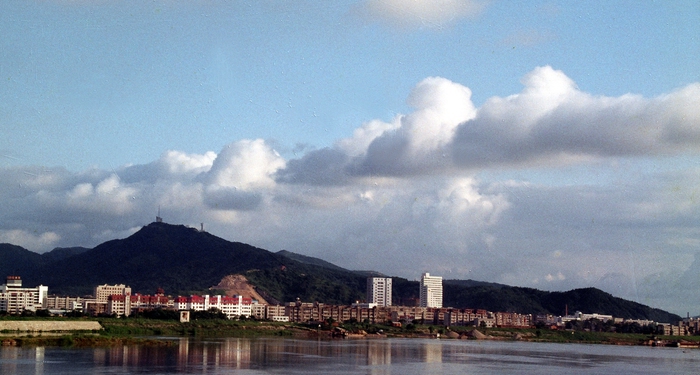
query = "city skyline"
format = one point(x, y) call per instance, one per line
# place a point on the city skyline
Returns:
point(547, 144)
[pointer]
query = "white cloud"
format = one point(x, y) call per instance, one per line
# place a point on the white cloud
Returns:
point(108, 196)
point(559, 277)
point(363, 136)
point(552, 122)
point(423, 13)
point(549, 123)
point(32, 241)
point(245, 165)
point(176, 162)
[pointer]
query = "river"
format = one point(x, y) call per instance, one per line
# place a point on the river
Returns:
point(372, 356)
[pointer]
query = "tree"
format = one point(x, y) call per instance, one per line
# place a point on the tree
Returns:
point(212, 313)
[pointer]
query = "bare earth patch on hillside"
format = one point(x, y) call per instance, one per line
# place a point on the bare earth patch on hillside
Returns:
point(238, 285)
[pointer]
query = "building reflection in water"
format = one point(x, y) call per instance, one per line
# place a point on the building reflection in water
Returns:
point(195, 355)
point(8, 360)
point(432, 351)
point(16, 360)
point(233, 353)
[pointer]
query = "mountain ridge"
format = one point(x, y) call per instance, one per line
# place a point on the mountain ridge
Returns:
point(184, 260)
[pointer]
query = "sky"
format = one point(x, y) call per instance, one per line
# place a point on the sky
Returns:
point(545, 144)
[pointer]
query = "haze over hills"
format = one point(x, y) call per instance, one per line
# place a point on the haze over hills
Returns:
point(184, 260)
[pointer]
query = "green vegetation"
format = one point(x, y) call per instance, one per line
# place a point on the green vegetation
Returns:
point(85, 340)
point(206, 325)
point(309, 283)
point(137, 330)
point(141, 331)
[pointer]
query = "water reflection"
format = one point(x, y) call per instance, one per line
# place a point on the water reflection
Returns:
point(375, 357)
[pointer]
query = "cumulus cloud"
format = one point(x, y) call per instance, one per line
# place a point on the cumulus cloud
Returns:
point(224, 198)
point(422, 13)
point(245, 165)
point(28, 240)
point(417, 225)
point(172, 165)
point(89, 206)
point(549, 123)
point(417, 143)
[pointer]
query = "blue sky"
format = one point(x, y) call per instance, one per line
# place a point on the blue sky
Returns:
point(101, 84)
point(551, 144)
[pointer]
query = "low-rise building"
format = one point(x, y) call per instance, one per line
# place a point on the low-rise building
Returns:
point(63, 304)
point(232, 307)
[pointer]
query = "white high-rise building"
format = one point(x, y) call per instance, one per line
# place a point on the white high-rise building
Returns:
point(379, 290)
point(14, 299)
point(430, 291)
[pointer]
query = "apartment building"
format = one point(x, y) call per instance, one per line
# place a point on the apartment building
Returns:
point(232, 307)
point(64, 303)
point(119, 304)
point(15, 299)
point(102, 292)
point(379, 291)
point(145, 302)
point(430, 291)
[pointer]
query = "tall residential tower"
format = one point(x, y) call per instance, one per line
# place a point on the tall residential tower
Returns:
point(379, 290)
point(430, 291)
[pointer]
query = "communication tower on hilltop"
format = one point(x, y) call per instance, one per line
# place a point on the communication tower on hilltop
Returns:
point(158, 218)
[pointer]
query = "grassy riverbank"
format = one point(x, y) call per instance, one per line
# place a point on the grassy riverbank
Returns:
point(205, 327)
point(131, 331)
point(139, 331)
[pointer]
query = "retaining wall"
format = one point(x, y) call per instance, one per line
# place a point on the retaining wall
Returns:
point(48, 326)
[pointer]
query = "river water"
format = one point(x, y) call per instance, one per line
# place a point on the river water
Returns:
point(371, 356)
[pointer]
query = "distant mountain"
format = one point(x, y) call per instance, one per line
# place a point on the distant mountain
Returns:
point(471, 283)
point(60, 253)
point(17, 261)
point(528, 300)
point(183, 260)
point(322, 263)
point(309, 260)
point(177, 258)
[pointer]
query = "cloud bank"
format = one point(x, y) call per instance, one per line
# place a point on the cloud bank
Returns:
point(436, 190)
point(549, 123)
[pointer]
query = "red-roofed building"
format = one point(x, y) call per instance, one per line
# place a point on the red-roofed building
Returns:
point(119, 304)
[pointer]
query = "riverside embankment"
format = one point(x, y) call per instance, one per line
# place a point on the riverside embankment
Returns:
point(48, 326)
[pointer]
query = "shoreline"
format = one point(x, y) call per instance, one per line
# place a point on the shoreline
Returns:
point(127, 331)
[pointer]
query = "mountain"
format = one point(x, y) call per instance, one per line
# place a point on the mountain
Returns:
point(17, 261)
point(309, 260)
point(533, 301)
point(62, 253)
point(183, 260)
point(177, 258)
point(471, 283)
